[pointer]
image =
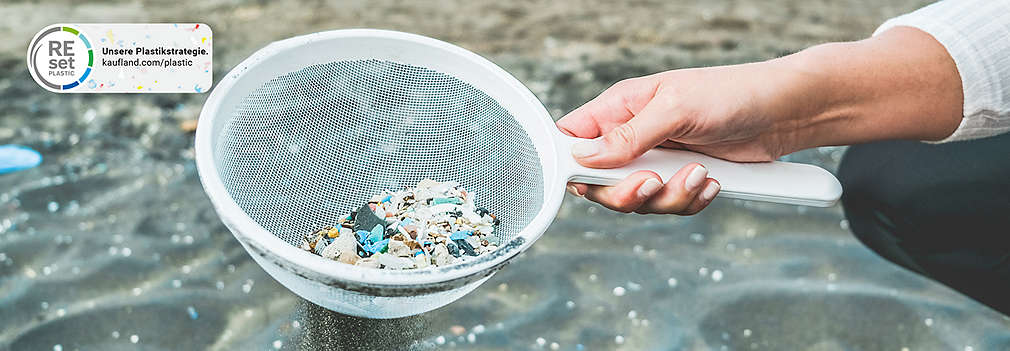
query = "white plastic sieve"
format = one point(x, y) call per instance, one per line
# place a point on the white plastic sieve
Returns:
point(308, 128)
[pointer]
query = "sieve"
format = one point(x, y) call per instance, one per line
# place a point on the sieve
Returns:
point(307, 129)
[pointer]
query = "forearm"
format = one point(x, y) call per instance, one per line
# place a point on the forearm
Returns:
point(901, 84)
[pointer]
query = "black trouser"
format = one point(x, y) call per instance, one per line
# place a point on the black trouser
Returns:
point(940, 210)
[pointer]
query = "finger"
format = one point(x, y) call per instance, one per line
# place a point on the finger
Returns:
point(577, 189)
point(614, 106)
point(704, 198)
point(679, 192)
point(627, 195)
point(617, 147)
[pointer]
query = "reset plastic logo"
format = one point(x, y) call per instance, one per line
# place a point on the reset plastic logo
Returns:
point(60, 58)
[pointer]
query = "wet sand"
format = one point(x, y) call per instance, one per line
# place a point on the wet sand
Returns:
point(111, 243)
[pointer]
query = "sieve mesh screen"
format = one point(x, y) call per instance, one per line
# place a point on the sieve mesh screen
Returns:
point(308, 147)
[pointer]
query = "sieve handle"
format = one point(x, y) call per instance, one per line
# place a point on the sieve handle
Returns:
point(778, 182)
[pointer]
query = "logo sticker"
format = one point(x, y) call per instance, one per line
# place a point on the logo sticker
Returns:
point(122, 58)
point(60, 58)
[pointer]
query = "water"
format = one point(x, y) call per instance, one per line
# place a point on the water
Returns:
point(111, 244)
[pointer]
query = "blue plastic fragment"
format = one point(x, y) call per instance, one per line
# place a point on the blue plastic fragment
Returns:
point(386, 199)
point(192, 313)
point(447, 200)
point(419, 253)
point(376, 233)
point(377, 246)
point(363, 236)
point(17, 157)
point(462, 234)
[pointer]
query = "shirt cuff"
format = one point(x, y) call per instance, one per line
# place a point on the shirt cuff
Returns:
point(978, 39)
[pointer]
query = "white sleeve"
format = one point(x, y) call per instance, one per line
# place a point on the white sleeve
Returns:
point(976, 34)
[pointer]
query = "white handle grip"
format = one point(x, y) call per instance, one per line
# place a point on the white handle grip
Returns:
point(779, 182)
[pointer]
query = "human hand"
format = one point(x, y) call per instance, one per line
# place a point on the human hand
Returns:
point(705, 110)
point(828, 95)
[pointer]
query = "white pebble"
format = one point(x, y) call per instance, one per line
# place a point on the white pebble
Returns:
point(619, 339)
point(672, 282)
point(137, 291)
point(278, 344)
point(929, 322)
point(703, 271)
point(570, 304)
point(176, 283)
point(440, 340)
point(134, 338)
point(541, 341)
point(593, 277)
point(716, 275)
point(115, 334)
point(127, 252)
point(472, 338)
point(747, 333)
point(555, 346)
point(57, 347)
point(969, 348)
point(632, 314)
point(619, 291)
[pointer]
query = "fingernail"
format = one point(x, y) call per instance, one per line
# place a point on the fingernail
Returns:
point(573, 190)
point(586, 148)
point(651, 186)
point(710, 191)
point(695, 178)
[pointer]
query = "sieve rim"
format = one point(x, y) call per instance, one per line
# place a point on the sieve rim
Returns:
point(354, 278)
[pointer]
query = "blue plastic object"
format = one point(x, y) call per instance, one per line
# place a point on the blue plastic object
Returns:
point(377, 247)
point(376, 233)
point(462, 234)
point(363, 236)
point(16, 157)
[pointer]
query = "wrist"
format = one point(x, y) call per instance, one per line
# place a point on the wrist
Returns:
point(794, 94)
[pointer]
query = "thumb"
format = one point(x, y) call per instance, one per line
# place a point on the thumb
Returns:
point(622, 144)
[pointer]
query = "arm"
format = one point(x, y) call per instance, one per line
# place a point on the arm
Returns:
point(900, 84)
